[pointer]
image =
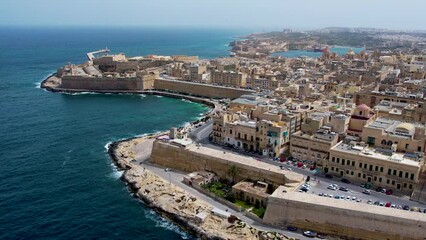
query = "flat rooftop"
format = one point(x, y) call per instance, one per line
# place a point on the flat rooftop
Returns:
point(367, 152)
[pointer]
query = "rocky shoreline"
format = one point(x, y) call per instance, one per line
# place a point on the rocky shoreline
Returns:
point(174, 203)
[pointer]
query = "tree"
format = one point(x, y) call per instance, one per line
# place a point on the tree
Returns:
point(233, 172)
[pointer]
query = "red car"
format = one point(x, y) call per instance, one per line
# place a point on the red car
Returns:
point(389, 192)
point(388, 204)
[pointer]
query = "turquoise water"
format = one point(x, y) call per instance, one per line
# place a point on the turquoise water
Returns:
point(57, 181)
point(299, 53)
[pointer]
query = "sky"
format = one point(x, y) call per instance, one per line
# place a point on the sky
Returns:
point(260, 14)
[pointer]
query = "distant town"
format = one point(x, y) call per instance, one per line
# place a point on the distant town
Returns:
point(327, 143)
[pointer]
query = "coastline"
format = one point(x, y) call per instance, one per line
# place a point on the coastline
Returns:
point(174, 203)
point(135, 175)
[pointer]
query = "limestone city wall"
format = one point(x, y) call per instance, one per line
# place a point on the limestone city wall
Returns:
point(359, 221)
point(175, 157)
point(198, 89)
point(94, 83)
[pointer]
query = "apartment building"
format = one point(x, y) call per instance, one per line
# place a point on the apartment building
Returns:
point(376, 166)
point(313, 148)
point(229, 78)
point(237, 130)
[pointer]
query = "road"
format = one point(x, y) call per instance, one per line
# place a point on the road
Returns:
point(175, 177)
point(201, 135)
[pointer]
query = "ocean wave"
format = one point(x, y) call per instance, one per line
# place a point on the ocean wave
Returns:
point(158, 96)
point(116, 174)
point(165, 224)
point(142, 95)
point(186, 100)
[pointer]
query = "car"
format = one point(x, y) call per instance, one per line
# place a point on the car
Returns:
point(406, 207)
point(389, 192)
point(325, 195)
point(378, 189)
point(330, 195)
point(289, 169)
point(337, 197)
point(327, 175)
point(424, 210)
point(282, 167)
point(383, 190)
point(344, 189)
point(304, 189)
point(377, 203)
point(167, 170)
point(366, 191)
point(370, 202)
point(358, 200)
point(348, 197)
point(331, 187)
point(320, 194)
point(293, 229)
point(344, 180)
point(342, 197)
point(310, 234)
point(393, 206)
point(381, 204)
point(353, 198)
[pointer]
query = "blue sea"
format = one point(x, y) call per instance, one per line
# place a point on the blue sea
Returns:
point(339, 50)
point(57, 181)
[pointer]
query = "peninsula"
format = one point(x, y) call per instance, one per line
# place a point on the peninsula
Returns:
point(328, 145)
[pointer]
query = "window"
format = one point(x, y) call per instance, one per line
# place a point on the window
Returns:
point(371, 167)
point(337, 169)
point(389, 143)
point(375, 178)
point(380, 179)
point(359, 175)
point(400, 174)
point(347, 171)
point(387, 181)
point(406, 146)
point(419, 149)
point(394, 172)
point(332, 168)
point(348, 162)
point(363, 176)
point(405, 185)
point(389, 171)
point(353, 163)
point(410, 186)
point(338, 160)
point(377, 168)
point(352, 173)
point(365, 165)
point(360, 165)
point(412, 176)
point(371, 140)
point(332, 159)
point(381, 169)
point(230, 131)
point(393, 182)
point(383, 142)
point(343, 161)
point(406, 174)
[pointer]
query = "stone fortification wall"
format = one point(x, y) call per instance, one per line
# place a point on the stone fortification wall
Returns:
point(198, 89)
point(93, 83)
point(172, 156)
point(353, 221)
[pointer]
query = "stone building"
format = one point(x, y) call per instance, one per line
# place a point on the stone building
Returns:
point(377, 166)
point(228, 78)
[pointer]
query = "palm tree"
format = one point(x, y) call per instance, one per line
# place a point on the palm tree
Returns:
point(233, 171)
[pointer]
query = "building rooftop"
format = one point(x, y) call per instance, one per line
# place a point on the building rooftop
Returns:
point(377, 153)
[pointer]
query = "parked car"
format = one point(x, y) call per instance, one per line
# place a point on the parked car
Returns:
point(290, 228)
point(378, 189)
point(345, 180)
point(327, 175)
point(320, 194)
point(310, 234)
point(370, 202)
point(389, 192)
point(344, 189)
point(366, 191)
point(377, 203)
point(406, 207)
